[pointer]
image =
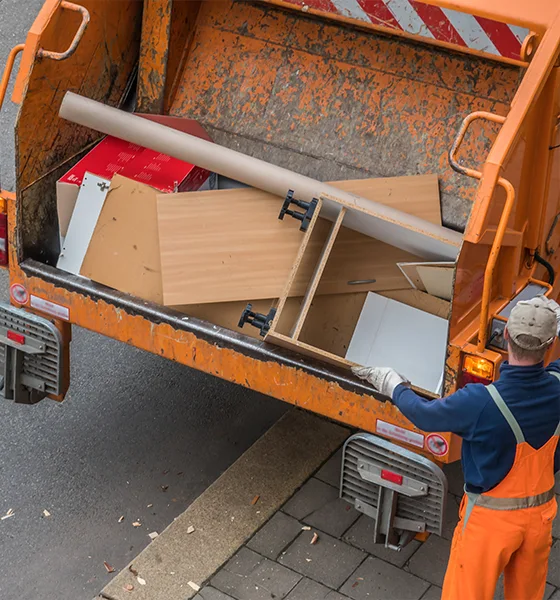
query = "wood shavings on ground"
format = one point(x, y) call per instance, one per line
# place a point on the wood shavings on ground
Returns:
point(121, 519)
point(136, 524)
point(9, 514)
point(194, 586)
point(141, 581)
point(108, 567)
point(128, 587)
point(314, 539)
point(153, 535)
point(255, 500)
point(46, 513)
point(306, 528)
point(190, 529)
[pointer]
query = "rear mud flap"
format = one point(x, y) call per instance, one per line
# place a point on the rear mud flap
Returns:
point(31, 352)
point(404, 492)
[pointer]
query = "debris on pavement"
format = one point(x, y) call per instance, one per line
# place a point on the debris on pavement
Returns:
point(140, 580)
point(136, 524)
point(190, 529)
point(9, 514)
point(149, 506)
point(107, 566)
point(255, 500)
point(194, 586)
point(46, 513)
point(164, 488)
point(128, 587)
point(121, 519)
point(306, 528)
point(153, 535)
point(314, 539)
point(133, 571)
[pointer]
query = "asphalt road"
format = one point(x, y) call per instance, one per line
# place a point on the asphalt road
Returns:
point(131, 424)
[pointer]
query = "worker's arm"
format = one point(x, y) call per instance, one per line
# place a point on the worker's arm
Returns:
point(457, 413)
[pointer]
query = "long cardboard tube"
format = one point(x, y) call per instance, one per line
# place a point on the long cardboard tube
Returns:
point(387, 224)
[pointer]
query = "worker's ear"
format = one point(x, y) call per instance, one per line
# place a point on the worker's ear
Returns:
point(506, 334)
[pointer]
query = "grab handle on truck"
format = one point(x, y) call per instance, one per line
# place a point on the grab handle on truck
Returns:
point(42, 53)
point(502, 225)
point(8, 71)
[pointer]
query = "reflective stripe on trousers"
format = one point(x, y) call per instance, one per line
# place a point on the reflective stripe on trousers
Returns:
point(508, 529)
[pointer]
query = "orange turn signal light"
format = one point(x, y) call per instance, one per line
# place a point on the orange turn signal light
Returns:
point(479, 367)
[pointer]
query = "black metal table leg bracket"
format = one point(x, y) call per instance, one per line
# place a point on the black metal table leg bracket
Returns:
point(308, 208)
point(258, 320)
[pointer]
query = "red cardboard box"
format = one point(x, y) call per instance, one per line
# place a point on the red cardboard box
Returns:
point(113, 155)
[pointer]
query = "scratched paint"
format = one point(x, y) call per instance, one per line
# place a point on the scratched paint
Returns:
point(379, 106)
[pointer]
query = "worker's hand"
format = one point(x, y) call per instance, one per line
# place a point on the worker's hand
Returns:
point(383, 379)
point(549, 303)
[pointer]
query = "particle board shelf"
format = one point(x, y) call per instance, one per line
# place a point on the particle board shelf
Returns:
point(227, 245)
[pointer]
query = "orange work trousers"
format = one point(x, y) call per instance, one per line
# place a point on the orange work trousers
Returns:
point(490, 542)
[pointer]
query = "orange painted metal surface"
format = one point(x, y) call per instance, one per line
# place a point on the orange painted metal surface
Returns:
point(388, 28)
point(154, 52)
point(281, 85)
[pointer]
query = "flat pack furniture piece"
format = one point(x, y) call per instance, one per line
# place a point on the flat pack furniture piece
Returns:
point(229, 245)
point(124, 251)
point(288, 328)
point(89, 204)
point(383, 324)
point(415, 235)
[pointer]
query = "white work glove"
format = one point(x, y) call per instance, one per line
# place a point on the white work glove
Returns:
point(383, 379)
point(549, 303)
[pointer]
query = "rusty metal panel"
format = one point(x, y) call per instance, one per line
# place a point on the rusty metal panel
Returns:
point(100, 68)
point(280, 85)
point(154, 52)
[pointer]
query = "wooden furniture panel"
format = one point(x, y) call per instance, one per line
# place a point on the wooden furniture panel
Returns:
point(197, 230)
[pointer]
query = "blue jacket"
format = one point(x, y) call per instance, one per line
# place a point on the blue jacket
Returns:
point(533, 396)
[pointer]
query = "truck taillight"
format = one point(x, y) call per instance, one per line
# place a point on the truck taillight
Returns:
point(476, 370)
point(3, 239)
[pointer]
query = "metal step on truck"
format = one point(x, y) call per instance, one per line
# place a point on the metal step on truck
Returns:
point(468, 90)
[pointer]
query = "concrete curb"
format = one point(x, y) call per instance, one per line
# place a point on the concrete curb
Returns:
point(224, 516)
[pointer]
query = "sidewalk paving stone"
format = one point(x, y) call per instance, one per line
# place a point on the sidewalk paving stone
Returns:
point(430, 561)
point(311, 590)
point(555, 596)
point(451, 516)
point(267, 581)
point(313, 495)
point(434, 593)
point(378, 580)
point(333, 518)
point(455, 479)
point(330, 471)
point(209, 593)
point(361, 536)
point(271, 539)
point(556, 524)
point(244, 562)
point(329, 561)
point(554, 565)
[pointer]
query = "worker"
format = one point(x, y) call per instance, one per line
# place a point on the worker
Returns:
point(509, 457)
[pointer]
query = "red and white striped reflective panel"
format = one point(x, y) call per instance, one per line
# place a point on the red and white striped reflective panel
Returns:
point(428, 21)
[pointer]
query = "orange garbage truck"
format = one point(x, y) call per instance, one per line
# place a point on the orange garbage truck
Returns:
point(468, 90)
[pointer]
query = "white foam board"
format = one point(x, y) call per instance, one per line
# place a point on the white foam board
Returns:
point(82, 224)
point(411, 341)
